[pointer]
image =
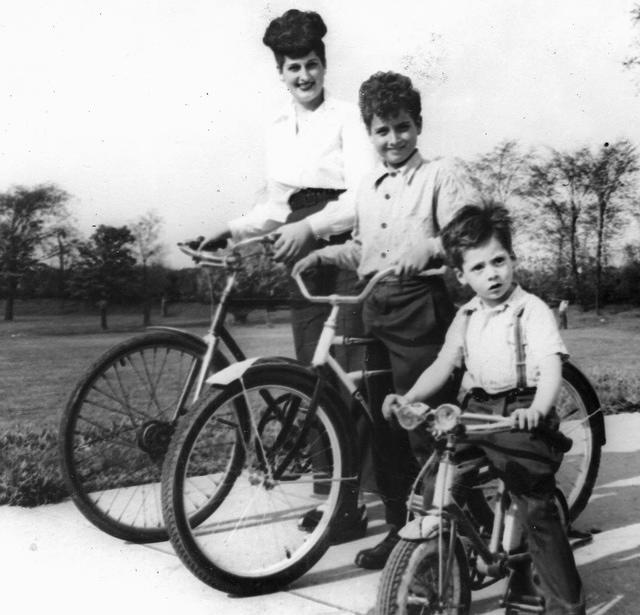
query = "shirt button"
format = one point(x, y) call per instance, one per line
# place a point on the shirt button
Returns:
point(383, 254)
point(387, 196)
point(384, 225)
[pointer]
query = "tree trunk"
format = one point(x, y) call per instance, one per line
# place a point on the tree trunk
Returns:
point(146, 313)
point(102, 304)
point(575, 273)
point(8, 306)
point(146, 303)
point(12, 287)
point(601, 210)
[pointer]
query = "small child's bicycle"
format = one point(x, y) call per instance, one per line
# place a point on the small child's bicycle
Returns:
point(443, 555)
point(273, 439)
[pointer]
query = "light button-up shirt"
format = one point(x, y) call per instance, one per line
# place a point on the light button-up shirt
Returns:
point(485, 338)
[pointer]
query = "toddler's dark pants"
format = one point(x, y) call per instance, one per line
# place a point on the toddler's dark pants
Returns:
point(527, 465)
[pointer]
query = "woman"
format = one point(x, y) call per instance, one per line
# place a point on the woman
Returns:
point(317, 153)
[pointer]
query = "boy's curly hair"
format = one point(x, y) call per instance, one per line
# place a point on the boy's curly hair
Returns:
point(386, 94)
point(295, 34)
point(474, 225)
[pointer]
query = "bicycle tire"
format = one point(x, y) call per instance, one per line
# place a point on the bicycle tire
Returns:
point(252, 542)
point(115, 429)
point(409, 582)
point(578, 409)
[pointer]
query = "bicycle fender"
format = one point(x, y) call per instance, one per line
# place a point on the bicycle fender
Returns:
point(594, 403)
point(234, 372)
point(422, 528)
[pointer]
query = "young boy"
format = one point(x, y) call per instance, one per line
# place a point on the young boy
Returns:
point(509, 343)
point(400, 208)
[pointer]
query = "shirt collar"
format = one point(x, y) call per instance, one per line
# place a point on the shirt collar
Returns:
point(515, 299)
point(407, 170)
point(288, 110)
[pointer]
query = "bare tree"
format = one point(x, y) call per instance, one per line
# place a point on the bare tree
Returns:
point(613, 170)
point(499, 175)
point(148, 248)
point(632, 62)
point(27, 220)
point(558, 189)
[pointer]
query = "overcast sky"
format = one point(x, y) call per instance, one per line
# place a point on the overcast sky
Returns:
point(139, 105)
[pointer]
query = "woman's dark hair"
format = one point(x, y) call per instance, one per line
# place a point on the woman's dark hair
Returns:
point(473, 226)
point(296, 34)
point(386, 95)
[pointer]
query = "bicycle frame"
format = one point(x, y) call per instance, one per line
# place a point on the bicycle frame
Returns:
point(496, 556)
point(322, 360)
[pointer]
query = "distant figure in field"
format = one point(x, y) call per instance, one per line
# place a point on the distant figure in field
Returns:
point(562, 313)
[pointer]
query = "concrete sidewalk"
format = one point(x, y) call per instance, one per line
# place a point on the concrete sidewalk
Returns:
point(54, 561)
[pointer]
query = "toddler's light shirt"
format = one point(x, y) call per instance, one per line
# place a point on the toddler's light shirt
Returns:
point(490, 341)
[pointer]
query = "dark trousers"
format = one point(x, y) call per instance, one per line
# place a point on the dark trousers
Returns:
point(527, 465)
point(410, 319)
point(307, 319)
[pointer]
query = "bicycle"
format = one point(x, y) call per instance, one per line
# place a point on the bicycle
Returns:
point(443, 555)
point(117, 424)
point(253, 443)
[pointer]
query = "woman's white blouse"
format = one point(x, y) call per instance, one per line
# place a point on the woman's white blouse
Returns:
point(325, 148)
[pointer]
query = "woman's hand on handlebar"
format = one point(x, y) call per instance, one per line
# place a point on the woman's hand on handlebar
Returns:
point(215, 240)
point(311, 260)
point(527, 418)
point(293, 240)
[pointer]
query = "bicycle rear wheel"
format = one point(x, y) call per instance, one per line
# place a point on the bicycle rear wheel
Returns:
point(265, 458)
point(116, 428)
point(409, 583)
point(577, 410)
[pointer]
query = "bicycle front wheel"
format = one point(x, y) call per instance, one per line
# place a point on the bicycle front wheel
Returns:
point(117, 425)
point(411, 580)
point(265, 457)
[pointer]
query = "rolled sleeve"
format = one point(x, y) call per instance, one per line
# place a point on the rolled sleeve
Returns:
point(452, 193)
point(265, 216)
point(542, 335)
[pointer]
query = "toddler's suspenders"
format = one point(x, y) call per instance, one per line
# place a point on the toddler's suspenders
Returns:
point(521, 355)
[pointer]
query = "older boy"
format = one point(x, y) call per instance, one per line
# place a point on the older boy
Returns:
point(512, 351)
point(400, 208)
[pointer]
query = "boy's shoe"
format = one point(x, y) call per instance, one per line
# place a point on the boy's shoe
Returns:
point(376, 557)
point(521, 604)
point(522, 595)
point(349, 527)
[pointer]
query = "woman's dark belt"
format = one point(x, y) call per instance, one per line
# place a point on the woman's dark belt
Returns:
point(312, 197)
point(308, 201)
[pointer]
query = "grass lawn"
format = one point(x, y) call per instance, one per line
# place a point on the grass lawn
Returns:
point(42, 355)
point(44, 352)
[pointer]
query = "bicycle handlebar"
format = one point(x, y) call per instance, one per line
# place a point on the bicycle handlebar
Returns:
point(364, 293)
point(446, 417)
point(210, 258)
